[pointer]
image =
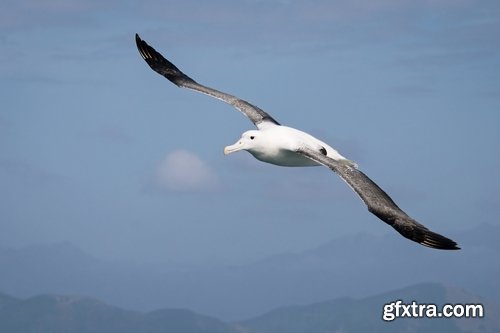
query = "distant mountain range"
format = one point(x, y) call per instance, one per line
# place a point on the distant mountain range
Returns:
point(356, 266)
point(58, 314)
point(365, 315)
point(55, 313)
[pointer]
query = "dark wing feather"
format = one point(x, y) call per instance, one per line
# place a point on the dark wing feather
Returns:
point(164, 67)
point(380, 204)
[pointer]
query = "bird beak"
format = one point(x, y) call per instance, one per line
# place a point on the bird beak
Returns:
point(231, 149)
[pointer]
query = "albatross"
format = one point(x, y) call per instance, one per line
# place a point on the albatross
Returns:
point(281, 145)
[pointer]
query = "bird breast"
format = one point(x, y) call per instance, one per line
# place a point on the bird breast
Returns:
point(283, 157)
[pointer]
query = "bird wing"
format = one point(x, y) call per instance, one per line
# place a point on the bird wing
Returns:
point(380, 204)
point(164, 67)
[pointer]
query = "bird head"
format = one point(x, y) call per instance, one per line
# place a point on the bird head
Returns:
point(246, 142)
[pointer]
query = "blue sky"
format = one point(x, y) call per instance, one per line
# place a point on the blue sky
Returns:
point(98, 150)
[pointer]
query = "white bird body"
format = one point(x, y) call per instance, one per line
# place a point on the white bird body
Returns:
point(278, 145)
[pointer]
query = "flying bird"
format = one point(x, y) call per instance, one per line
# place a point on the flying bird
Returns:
point(285, 146)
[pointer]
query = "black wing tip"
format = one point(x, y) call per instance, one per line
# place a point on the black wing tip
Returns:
point(160, 64)
point(437, 241)
point(139, 42)
point(420, 234)
point(147, 52)
point(143, 47)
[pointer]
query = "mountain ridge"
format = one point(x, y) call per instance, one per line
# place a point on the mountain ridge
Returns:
point(81, 314)
point(365, 314)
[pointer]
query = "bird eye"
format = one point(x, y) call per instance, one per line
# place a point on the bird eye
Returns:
point(252, 137)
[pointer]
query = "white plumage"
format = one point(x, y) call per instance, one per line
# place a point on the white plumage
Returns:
point(278, 145)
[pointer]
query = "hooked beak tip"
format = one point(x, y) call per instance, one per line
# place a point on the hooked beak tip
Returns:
point(231, 149)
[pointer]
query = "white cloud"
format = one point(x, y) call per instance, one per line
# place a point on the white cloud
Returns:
point(183, 171)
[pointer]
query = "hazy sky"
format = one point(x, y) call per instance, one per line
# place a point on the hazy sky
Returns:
point(98, 150)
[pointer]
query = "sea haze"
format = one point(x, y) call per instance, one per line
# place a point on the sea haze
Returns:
point(356, 266)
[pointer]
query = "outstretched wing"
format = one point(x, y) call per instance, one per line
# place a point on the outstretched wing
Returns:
point(380, 204)
point(164, 67)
